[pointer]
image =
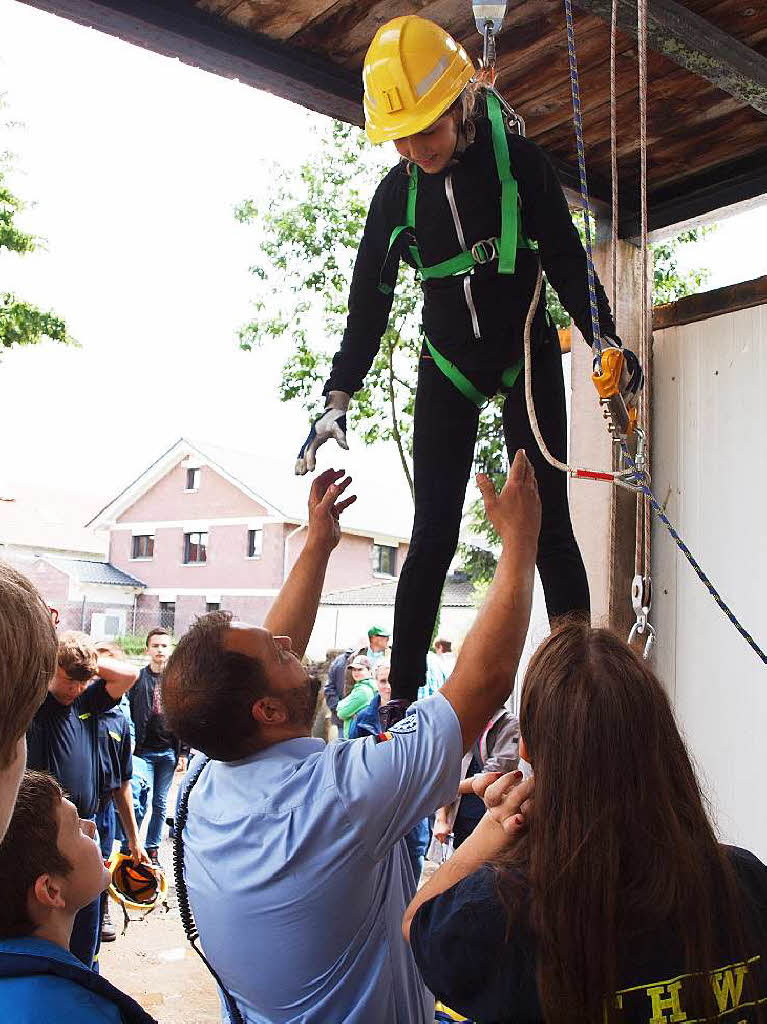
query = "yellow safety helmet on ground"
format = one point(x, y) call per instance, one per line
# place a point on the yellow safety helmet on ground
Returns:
point(414, 71)
point(135, 886)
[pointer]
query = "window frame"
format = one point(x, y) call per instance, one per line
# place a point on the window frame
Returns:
point(378, 550)
point(193, 473)
point(200, 544)
point(144, 537)
point(250, 549)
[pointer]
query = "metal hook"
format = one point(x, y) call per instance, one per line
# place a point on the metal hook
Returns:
point(641, 602)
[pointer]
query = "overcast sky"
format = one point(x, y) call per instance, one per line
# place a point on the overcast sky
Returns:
point(134, 163)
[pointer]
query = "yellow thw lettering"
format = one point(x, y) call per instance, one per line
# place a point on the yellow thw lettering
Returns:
point(728, 987)
point(665, 1003)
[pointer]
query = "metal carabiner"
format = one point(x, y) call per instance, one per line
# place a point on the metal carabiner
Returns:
point(641, 602)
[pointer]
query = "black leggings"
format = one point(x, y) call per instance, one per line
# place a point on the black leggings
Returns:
point(444, 436)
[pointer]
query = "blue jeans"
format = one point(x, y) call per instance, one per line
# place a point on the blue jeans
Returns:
point(139, 785)
point(160, 768)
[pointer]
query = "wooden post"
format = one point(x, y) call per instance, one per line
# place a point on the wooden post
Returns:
point(604, 517)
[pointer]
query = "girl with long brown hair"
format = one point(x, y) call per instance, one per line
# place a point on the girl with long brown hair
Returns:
point(597, 890)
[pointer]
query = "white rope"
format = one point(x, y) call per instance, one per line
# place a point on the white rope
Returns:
point(529, 379)
point(643, 505)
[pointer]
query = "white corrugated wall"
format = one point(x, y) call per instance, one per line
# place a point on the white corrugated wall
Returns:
point(710, 468)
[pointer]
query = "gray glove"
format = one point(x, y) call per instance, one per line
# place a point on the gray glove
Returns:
point(332, 423)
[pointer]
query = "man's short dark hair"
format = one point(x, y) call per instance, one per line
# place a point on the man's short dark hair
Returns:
point(208, 691)
point(446, 645)
point(157, 631)
point(30, 849)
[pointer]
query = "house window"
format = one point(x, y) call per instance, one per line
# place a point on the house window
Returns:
point(195, 548)
point(384, 560)
point(193, 479)
point(255, 543)
point(143, 547)
point(168, 615)
point(212, 606)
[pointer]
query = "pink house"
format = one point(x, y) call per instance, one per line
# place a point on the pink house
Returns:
point(204, 527)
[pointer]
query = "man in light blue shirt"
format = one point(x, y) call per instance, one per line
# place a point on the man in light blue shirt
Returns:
point(294, 858)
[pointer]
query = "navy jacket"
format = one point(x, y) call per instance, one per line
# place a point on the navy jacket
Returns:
point(40, 981)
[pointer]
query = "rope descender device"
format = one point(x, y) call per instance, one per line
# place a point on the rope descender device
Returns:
point(621, 421)
point(641, 601)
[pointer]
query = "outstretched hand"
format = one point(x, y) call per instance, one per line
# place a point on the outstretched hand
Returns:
point(516, 511)
point(325, 507)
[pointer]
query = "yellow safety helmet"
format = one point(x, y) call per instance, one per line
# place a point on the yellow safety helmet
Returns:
point(135, 886)
point(414, 71)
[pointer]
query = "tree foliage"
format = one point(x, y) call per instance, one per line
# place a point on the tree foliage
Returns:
point(308, 230)
point(21, 322)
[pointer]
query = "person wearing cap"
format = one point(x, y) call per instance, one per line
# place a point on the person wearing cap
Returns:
point(475, 209)
point(362, 692)
point(378, 644)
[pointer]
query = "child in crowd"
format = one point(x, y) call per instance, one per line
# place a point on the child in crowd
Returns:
point(28, 648)
point(63, 740)
point(51, 868)
point(367, 722)
point(361, 694)
point(496, 750)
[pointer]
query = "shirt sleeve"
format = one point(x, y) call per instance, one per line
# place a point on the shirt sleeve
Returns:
point(37, 748)
point(387, 785)
point(459, 944)
point(349, 706)
point(546, 217)
point(124, 755)
point(96, 699)
point(369, 308)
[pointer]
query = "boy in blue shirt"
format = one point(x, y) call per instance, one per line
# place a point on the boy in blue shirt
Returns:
point(50, 868)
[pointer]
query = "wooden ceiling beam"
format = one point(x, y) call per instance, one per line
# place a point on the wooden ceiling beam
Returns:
point(701, 198)
point(195, 37)
point(697, 45)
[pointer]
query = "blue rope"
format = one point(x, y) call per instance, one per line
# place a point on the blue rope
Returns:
point(578, 121)
point(644, 488)
point(640, 478)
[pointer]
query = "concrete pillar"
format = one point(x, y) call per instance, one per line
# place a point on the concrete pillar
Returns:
point(604, 516)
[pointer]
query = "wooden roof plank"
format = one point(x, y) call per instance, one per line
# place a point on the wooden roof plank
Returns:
point(697, 45)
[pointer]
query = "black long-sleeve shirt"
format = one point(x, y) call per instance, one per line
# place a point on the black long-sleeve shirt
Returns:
point(501, 300)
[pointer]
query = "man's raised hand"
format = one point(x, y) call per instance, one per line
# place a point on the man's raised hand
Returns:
point(516, 511)
point(325, 507)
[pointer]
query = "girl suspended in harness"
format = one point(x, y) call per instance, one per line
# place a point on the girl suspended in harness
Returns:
point(472, 207)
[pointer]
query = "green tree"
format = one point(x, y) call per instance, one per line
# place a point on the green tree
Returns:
point(308, 229)
point(21, 322)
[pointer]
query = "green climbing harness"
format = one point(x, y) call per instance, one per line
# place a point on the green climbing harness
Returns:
point(504, 249)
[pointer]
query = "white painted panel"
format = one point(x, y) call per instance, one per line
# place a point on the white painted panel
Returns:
point(709, 462)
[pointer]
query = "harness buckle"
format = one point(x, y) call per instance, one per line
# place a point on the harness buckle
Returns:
point(485, 251)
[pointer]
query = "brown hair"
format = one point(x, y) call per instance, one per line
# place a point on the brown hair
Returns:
point(77, 655)
point(208, 692)
point(28, 649)
point(30, 849)
point(446, 645)
point(157, 631)
point(620, 840)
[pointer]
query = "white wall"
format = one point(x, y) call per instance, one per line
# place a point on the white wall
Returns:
point(709, 463)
